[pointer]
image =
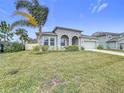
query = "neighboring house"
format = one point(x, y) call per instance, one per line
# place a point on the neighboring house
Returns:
point(110, 40)
point(62, 37)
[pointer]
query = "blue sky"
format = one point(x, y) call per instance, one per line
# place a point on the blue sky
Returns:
point(87, 15)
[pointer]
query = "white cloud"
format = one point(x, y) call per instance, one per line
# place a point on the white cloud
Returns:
point(99, 6)
point(102, 7)
point(94, 9)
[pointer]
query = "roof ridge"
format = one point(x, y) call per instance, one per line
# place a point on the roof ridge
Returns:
point(65, 28)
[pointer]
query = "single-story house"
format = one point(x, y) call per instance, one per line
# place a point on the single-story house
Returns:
point(62, 37)
point(110, 40)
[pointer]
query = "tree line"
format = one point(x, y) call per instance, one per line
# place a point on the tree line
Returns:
point(6, 34)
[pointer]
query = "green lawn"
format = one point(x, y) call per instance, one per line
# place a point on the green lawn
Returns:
point(61, 72)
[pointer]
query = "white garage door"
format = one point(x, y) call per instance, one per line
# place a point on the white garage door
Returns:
point(89, 44)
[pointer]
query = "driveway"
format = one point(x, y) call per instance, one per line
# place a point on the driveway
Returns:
point(107, 52)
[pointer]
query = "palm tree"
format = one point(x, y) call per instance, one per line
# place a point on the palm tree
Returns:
point(37, 14)
point(23, 34)
point(31, 21)
point(5, 31)
point(1, 35)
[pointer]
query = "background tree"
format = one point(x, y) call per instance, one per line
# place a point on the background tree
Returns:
point(22, 33)
point(31, 40)
point(1, 35)
point(5, 32)
point(37, 13)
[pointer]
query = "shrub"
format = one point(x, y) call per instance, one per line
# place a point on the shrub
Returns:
point(1, 48)
point(45, 48)
point(82, 48)
point(72, 48)
point(13, 47)
point(17, 47)
point(100, 47)
point(7, 48)
point(37, 49)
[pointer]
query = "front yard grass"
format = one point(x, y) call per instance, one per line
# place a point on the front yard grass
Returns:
point(61, 72)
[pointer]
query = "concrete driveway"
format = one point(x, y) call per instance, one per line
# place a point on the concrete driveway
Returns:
point(107, 52)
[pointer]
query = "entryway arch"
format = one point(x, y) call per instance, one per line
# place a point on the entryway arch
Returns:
point(64, 40)
point(75, 40)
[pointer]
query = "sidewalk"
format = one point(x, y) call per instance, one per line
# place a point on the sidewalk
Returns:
point(107, 52)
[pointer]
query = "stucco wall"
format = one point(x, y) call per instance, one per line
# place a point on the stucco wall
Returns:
point(121, 43)
point(121, 40)
point(69, 34)
point(102, 41)
point(112, 45)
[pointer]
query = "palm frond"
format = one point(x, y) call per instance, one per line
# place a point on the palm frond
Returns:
point(40, 13)
point(30, 18)
point(20, 4)
point(35, 2)
point(37, 13)
point(45, 15)
point(21, 23)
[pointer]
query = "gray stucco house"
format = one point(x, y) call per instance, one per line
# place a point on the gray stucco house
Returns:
point(62, 37)
point(110, 40)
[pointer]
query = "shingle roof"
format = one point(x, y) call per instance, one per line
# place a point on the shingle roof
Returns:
point(47, 33)
point(53, 32)
point(114, 39)
point(89, 37)
point(97, 34)
point(69, 29)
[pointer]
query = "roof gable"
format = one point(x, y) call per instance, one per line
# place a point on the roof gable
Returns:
point(46, 33)
point(116, 39)
point(68, 29)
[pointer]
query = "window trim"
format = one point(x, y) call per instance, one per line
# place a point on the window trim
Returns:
point(46, 41)
point(49, 41)
point(52, 41)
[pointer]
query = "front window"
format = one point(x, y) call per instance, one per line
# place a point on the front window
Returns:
point(46, 41)
point(52, 41)
point(62, 42)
